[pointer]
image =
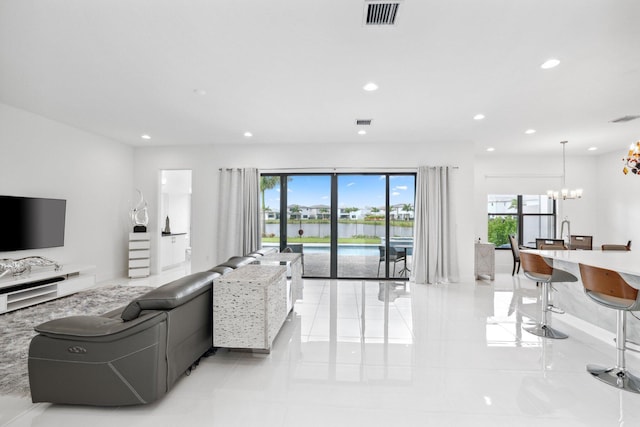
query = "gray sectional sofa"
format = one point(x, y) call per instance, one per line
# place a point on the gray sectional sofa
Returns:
point(132, 355)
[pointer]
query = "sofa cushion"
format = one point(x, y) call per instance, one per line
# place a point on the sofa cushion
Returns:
point(238, 261)
point(221, 269)
point(171, 295)
point(267, 250)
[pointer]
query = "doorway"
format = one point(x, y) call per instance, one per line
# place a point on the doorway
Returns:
point(175, 219)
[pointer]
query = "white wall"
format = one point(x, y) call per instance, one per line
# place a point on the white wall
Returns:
point(149, 162)
point(206, 160)
point(618, 210)
point(43, 158)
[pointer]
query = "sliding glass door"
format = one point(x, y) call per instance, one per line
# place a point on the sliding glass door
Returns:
point(345, 225)
point(308, 222)
point(361, 225)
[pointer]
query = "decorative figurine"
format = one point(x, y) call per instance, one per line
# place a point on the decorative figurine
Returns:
point(20, 266)
point(139, 215)
point(167, 228)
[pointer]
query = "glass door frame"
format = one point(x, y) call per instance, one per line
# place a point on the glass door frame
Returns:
point(334, 209)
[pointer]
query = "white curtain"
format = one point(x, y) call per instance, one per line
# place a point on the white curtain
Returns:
point(239, 212)
point(435, 251)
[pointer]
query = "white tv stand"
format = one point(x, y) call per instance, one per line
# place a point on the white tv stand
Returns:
point(44, 284)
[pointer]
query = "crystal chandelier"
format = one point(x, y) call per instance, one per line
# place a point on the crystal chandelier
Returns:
point(564, 193)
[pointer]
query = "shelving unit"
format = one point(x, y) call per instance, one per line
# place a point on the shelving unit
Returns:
point(22, 291)
point(139, 254)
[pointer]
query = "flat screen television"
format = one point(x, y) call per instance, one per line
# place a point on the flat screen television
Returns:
point(31, 223)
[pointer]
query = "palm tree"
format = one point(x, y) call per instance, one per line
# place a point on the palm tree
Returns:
point(267, 183)
point(295, 209)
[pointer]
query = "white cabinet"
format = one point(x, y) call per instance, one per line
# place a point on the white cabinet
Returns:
point(44, 285)
point(173, 249)
point(139, 254)
point(485, 264)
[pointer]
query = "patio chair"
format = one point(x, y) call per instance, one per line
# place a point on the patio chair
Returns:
point(394, 256)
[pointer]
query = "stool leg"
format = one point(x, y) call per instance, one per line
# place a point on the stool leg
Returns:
point(618, 376)
point(542, 329)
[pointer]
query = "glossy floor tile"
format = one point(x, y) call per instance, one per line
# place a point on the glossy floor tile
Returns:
point(378, 354)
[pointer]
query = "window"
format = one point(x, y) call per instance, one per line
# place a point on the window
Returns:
point(346, 223)
point(527, 216)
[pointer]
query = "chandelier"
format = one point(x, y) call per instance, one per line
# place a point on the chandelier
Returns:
point(632, 161)
point(565, 193)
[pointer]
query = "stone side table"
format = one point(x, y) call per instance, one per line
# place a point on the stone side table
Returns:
point(249, 307)
point(485, 260)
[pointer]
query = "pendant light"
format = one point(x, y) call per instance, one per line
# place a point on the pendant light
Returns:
point(564, 192)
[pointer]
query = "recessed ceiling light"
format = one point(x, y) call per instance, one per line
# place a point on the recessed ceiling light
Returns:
point(200, 92)
point(491, 149)
point(478, 117)
point(550, 63)
point(530, 131)
point(248, 134)
point(592, 148)
point(370, 87)
point(362, 132)
point(145, 136)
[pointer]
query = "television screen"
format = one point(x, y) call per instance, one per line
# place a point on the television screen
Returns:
point(31, 223)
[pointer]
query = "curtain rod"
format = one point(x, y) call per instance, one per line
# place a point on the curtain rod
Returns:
point(364, 169)
point(327, 170)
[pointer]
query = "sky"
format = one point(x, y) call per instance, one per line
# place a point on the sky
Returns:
point(361, 191)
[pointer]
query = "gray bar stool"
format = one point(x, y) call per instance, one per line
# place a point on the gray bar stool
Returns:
point(536, 268)
point(608, 288)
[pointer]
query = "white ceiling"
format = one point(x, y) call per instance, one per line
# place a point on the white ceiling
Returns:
point(292, 71)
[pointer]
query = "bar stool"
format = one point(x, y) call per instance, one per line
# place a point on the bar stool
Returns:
point(536, 268)
point(608, 288)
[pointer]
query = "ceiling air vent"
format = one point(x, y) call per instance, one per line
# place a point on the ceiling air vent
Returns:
point(625, 119)
point(363, 122)
point(380, 13)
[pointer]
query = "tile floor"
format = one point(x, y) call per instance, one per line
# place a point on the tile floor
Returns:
point(360, 353)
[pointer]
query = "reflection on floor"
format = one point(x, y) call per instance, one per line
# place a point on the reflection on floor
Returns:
point(317, 265)
point(381, 354)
